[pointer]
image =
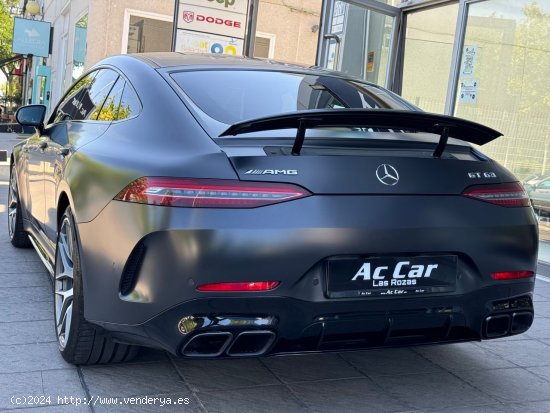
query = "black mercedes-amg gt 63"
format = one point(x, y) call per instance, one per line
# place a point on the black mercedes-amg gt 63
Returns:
point(230, 207)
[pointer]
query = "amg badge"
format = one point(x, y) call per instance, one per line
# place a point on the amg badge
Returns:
point(271, 172)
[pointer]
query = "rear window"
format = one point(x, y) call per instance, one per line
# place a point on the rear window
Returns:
point(231, 96)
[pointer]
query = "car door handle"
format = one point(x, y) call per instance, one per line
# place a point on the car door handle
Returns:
point(43, 145)
point(63, 151)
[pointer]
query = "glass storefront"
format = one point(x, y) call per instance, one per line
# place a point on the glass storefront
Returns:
point(429, 40)
point(358, 38)
point(288, 31)
point(359, 41)
point(503, 80)
point(503, 83)
point(482, 60)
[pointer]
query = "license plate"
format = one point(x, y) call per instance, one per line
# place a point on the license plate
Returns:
point(391, 276)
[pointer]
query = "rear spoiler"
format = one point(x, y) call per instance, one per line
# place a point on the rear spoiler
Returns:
point(445, 126)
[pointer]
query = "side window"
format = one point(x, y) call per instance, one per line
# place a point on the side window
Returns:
point(129, 105)
point(87, 96)
point(68, 108)
point(122, 103)
point(92, 97)
point(110, 108)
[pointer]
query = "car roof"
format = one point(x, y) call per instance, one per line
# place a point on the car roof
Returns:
point(170, 59)
point(179, 60)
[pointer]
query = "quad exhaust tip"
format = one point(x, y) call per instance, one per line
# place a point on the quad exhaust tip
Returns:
point(216, 343)
point(497, 325)
point(521, 321)
point(504, 324)
point(251, 343)
point(211, 344)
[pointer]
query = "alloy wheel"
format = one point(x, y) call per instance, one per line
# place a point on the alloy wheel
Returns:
point(63, 282)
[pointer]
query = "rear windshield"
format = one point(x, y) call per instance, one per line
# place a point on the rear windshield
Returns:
point(231, 96)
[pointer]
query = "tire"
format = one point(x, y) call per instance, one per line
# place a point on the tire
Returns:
point(79, 341)
point(18, 236)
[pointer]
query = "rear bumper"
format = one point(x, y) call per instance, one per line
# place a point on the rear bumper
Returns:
point(287, 325)
point(166, 252)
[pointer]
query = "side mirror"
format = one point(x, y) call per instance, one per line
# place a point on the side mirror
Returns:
point(31, 115)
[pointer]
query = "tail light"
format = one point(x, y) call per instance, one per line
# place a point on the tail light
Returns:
point(240, 286)
point(507, 195)
point(512, 275)
point(208, 193)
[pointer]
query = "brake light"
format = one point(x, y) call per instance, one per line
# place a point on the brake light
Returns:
point(507, 195)
point(240, 286)
point(512, 275)
point(208, 193)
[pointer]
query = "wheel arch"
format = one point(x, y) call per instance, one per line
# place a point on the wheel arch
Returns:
point(65, 200)
point(62, 203)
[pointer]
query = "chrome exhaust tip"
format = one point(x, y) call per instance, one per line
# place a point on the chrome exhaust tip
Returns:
point(210, 344)
point(251, 343)
point(521, 321)
point(497, 325)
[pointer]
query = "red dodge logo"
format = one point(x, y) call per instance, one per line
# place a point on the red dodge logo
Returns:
point(188, 16)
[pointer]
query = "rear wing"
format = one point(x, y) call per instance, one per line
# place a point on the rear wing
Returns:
point(443, 125)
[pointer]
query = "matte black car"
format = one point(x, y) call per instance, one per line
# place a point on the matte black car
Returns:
point(228, 207)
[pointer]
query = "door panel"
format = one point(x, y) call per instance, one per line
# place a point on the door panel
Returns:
point(34, 154)
point(74, 123)
point(54, 164)
point(63, 136)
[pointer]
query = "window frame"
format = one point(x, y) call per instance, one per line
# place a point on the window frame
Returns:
point(272, 38)
point(53, 115)
point(139, 13)
point(119, 79)
point(126, 84)
point(79, 17)
point(51, 119)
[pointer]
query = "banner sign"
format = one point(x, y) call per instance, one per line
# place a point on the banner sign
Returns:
point(31, 37)
point(208, 43)
point(211, 26)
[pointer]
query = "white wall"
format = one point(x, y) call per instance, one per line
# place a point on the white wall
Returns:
point(63, 14)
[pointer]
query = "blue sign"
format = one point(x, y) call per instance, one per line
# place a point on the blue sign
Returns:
point(79, 53)
point(31, 37)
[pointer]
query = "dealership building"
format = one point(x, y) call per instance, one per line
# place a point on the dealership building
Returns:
point(483, 60)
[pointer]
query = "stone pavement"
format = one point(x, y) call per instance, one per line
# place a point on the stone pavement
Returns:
point(504, 375)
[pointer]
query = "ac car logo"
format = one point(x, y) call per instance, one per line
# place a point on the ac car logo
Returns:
point(399, 276)
point(271, 172)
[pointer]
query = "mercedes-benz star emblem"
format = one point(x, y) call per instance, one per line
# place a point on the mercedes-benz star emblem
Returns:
point(387, 174)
